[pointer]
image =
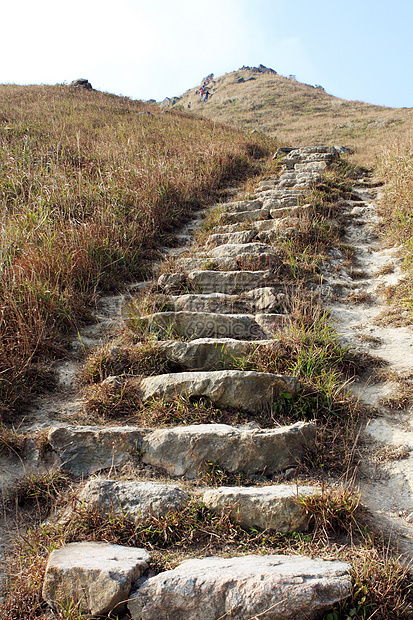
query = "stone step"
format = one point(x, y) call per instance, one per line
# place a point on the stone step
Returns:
point(206, 281)
point(245, 390)
point(291, 211)
point(312, 166)
point(240, 249)
point(261, 300)
point(138, 500)
point(240, 205)
point(230, 282)
point(276, 203)
point(211, 353)
point(184, 450)
point(274, 507)
point(253, 586)
point(94, 577)
point(255, 262)
point(190, 325)
point(244, 216)
point(189, 450)
point(244, 236)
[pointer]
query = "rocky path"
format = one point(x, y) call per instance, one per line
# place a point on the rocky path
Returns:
point(212, 308)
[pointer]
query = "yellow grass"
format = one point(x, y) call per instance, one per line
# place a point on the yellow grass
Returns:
point(90, 183)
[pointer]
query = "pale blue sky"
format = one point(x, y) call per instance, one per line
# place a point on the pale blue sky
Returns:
point(355, 49)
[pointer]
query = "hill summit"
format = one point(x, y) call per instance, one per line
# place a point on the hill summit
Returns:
point(260, 99)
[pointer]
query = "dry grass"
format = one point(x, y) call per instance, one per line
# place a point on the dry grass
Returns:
point(381, 584)
point(89, 184)
point(301, 114)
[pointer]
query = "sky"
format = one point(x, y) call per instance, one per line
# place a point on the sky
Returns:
point(151, 49)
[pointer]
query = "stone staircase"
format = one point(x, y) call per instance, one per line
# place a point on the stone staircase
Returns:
point(223, 302)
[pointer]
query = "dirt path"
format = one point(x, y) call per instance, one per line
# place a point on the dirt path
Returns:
point(386, 473)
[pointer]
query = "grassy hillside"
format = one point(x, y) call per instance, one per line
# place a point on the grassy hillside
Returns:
point(90, 183)
point(298, 113)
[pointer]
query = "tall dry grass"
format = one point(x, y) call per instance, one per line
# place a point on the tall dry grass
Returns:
point(90, 183)
point(396, 209)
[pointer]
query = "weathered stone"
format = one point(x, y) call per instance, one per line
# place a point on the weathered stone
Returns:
point(278, 203)
point(241, 206)
point(244, 216)
point(92, 577)
point(230, 282)
point(270, 323)
point(265, 299)
point(87, 449)
point(207, 262)
point(81, 83)
point(136, 500)
point(266, 508)
point(187, 450)
point(312, 166)
point(271, 236)
point(291, 211)
point(245, 390)
point(204, 325)
point(274, 587)
point(171, 283)
point(210, 353)
point(244, 236)
point(212, 302)
point(240, 249)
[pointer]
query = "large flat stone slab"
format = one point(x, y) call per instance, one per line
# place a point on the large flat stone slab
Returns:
point(240, 205)
point(187, 450)
point(93, 577)
point(274, 587)
point(88, 449)
point(240, 249)
point(230, 282)
point(137, 500)
point(244, 236)
point(244, 216)
point(205, 325)
point(245, 390)
point(291, 211)
point(212, 302)
point(273, 507)
point(210, 353)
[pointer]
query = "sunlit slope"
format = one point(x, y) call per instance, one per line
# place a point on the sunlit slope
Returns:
point(298, 113)
point(90, 184)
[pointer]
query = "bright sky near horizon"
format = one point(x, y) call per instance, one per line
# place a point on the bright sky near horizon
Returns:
point(151, 49)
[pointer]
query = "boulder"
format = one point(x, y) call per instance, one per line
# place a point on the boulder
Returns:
point(81, 83)
point(92, 577)
point(88, 449)
point(266, 508)
point(137, 500)
point(274, 587)
point(246, 390)
point(187, 450)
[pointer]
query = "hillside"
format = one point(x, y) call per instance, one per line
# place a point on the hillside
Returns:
point(205, 356)
point(259, 99)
